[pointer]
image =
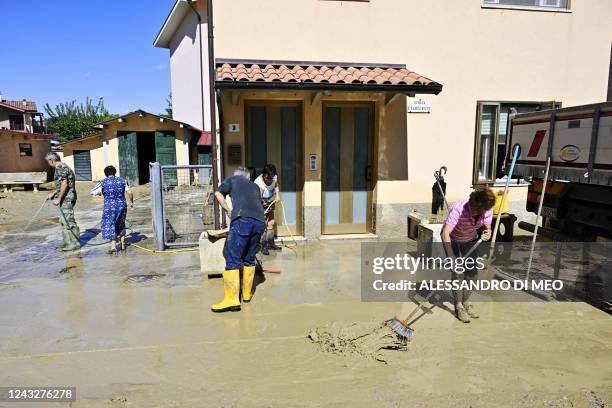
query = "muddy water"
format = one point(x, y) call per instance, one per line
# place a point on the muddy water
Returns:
point(136, 330)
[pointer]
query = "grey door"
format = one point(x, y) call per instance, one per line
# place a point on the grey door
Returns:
point(82, 165)
point(274, 135)
point(347, 158)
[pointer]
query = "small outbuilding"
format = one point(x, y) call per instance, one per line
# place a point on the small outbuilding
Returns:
point(132, 141)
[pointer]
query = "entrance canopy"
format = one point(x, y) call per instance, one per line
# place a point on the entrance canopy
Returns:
point(316, 76)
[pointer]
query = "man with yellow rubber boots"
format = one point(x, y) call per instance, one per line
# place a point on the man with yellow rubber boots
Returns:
point(246, 227)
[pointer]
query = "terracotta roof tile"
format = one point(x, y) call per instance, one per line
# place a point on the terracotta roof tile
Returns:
point(375, 75)
point(23, 105)
point(258, 76)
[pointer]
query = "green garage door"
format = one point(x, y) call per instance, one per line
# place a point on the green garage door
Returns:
point(128, 157)
point(165, 154)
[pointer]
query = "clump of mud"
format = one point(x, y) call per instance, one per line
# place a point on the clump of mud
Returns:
point(365, 340)
point(592, 398)
point(66, 269)
point(144, 277)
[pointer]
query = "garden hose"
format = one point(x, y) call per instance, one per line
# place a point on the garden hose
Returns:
point(288, 230)
point(35, 216)
point(267, 210)
point(128, 230)
point(170, 251)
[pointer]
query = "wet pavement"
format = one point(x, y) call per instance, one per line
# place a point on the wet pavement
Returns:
point(136, 330)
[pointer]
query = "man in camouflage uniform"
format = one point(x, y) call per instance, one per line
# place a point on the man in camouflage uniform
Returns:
point(65, 196)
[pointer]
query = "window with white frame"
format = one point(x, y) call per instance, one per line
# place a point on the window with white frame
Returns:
point(492, 129)
point(545, 4)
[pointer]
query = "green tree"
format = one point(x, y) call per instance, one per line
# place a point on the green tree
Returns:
point(168, 113)
point(69, 120)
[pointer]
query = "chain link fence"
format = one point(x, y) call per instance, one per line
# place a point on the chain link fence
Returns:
point(182, 203)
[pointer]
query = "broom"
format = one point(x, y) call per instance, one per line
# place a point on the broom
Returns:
point(400, 327)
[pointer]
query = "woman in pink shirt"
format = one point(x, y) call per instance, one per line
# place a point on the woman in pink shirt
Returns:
point(460, 233)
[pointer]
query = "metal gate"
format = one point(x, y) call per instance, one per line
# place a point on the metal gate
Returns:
point(181, 202)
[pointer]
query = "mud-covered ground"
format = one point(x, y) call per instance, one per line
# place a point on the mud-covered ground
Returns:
point(135, 330)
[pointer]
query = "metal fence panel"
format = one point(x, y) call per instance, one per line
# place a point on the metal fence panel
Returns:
point(185, 199)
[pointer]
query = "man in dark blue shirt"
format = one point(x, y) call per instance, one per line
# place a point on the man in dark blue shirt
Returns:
point(246, 226)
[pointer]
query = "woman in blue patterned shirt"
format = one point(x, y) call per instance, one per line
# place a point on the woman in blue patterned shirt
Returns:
point(114, 189)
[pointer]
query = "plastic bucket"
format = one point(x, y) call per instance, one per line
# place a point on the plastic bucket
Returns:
point(498, 199)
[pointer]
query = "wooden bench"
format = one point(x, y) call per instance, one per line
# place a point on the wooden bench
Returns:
point(34, 178)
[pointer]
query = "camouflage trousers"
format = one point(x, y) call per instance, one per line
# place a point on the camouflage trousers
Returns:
point(67, 208)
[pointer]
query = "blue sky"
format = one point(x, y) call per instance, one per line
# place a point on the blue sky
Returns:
point(59, 50)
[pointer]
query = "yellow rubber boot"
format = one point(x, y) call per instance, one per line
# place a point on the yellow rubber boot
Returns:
point(248, 274)
point(231, 289)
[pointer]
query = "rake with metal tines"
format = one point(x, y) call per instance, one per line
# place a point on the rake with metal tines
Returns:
point(399, 326)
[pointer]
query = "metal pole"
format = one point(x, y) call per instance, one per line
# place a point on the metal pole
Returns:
point(157, 206)
point(211, 90)
point(212, 74)
point(437, 177)
point(535, 231)
point(503, 202)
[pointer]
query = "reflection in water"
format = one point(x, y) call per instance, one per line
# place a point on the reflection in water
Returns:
point(75, 307)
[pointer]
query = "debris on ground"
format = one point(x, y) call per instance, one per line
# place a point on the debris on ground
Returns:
point(66, 269)
point(120, 401)
point(365, 340)
point(593, 399)
point(144, 277)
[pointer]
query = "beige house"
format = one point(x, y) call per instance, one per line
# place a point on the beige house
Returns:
point(20, 116)
point(359, 102)
point(130, 142)
point(22, 152)
point(23, 144)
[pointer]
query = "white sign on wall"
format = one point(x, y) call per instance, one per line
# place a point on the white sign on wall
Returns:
point(234, 127)
point(419, 106)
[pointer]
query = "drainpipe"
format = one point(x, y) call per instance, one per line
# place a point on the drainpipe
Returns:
point(211, 90)
point(221, 134)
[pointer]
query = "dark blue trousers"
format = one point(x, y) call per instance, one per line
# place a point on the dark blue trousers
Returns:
point(243, 242)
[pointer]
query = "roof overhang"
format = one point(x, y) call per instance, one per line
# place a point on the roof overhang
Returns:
point(407, 89)
point(140, 114)
point(174, 19)
point(321, 76)
point(11, 107)
point(34, 136)
point(82, 139)
point(205, 138)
